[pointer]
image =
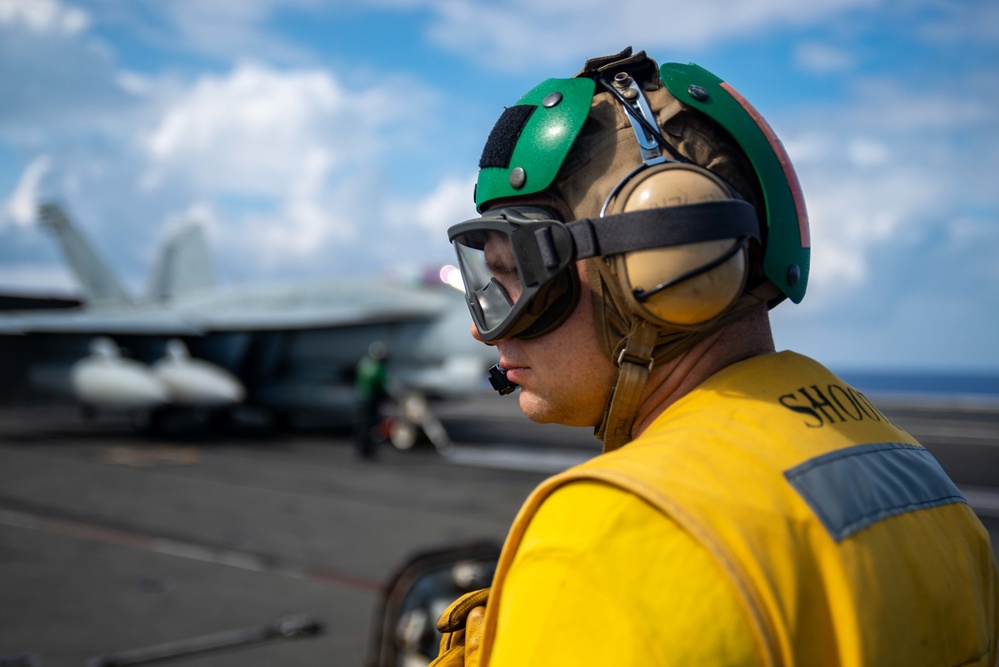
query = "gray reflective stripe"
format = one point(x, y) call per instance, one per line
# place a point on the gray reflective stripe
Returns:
point(852, 488)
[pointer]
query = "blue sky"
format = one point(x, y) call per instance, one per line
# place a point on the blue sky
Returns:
point(325, 139)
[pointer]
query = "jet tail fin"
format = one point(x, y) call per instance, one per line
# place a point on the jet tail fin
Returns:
point(99, 284)
point(184, 265)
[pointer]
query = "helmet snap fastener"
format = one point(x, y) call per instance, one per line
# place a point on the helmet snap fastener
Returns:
point(697, 92)
point(551, 99)
point(517, 178)
point(622, 80)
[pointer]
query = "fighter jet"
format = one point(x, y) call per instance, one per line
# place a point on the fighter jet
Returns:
point(288, 351)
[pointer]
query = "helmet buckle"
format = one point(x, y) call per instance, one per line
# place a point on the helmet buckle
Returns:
point(627, 357)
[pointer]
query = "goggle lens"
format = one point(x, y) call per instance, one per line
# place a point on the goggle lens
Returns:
point(489, 269)
point(506, 259)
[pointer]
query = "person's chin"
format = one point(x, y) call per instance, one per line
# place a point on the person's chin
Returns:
point(535, 407)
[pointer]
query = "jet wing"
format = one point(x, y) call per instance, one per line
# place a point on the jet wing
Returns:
point(306, 319)
point(324, 305)
point(159, 322)
point(92, 324)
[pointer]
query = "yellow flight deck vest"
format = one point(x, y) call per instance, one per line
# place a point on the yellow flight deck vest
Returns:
point(845, 541)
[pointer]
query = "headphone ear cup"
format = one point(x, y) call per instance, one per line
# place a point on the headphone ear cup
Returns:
point(697, 299)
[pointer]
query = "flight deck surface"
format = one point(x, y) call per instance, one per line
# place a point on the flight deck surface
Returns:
point(110, 540)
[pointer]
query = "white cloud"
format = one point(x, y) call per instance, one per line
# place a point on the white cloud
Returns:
point(134, 84)
point(895, 172)
point(291, 160)
point(305, 225)
point(960, 24)
point(867, 152)
point(263, 131)
point(256, 130)
point(449, 203)
point(43, 16)
point(808, 146)
point(890, 106)
point(854, 211)
point(224, 29)
point(56, 79)
point(823, 58)
point(516, 34)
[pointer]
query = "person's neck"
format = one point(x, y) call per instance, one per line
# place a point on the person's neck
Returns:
point(747, 337)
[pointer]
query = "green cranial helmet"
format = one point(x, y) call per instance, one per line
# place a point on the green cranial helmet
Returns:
point(671, 187)
point(532, 139)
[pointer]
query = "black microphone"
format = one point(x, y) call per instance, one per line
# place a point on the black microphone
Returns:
point(497, 378)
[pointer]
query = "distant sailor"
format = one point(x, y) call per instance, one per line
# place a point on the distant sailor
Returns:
point(371, 388)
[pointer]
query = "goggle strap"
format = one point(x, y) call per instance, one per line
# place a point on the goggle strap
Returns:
point(663, 227)
point(546, 246)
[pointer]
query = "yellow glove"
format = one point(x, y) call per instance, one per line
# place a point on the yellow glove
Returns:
point(461, 627)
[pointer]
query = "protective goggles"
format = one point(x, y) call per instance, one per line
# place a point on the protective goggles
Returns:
point(516, 261)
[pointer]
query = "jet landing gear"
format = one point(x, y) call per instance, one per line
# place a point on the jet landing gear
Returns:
point(414, 422)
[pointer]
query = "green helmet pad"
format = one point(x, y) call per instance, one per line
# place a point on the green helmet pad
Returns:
point(528, 145)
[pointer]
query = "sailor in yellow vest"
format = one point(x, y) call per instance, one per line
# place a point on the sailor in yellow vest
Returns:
point(750, 507)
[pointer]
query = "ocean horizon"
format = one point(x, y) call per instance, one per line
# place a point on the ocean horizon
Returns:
point(913, 383)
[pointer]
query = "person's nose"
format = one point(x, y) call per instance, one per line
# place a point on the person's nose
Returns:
point(475, 334)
